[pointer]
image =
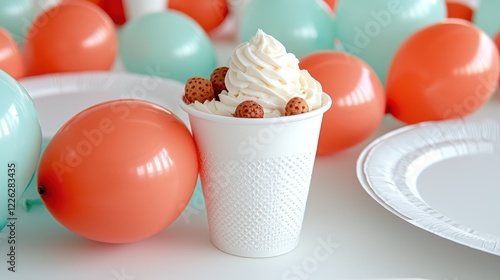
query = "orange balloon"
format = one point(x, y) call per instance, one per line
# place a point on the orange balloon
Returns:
point(497, 43)
point(97, 2)
point(11, 60)
point(459, 10)
point(209, 14)
point(119, 171)
point(358, 99)
point(115, 9)
point(72, 36)
point(331, 4)
point(446, 70)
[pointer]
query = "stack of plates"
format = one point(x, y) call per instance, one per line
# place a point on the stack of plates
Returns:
point(443, 177)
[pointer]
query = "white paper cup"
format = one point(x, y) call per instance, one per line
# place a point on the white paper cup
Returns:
point(137, 8)
point(255, 175)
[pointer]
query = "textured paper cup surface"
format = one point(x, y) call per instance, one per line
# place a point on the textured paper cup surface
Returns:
point(255, 175)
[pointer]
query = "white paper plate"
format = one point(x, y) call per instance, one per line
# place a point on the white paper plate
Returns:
point(443, 177)
point(59, 97)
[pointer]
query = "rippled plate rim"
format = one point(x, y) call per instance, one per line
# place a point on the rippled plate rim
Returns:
point(118, 84)
point(464, 135)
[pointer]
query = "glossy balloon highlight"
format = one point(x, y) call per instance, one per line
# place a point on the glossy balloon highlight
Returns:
point(167, 44)
point(358, 99)
point(72, 36)
point(209, 14)
point(302, 26)
point(447, 70)
point(374, 29)
point(119, 171)
point(20, 142)
point(11, 60)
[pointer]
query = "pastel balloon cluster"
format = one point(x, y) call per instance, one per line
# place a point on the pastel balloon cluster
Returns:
point(82, 35)
point(171, 43)
point(117, 172)
point(374, 29)
point(68, 37)
point(209, 14)
point(167, 44)
point(15, 18)
point(447, 70)
point(408, 58)
point(302, 26)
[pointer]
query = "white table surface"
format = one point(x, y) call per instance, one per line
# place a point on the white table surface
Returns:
point(369, 242)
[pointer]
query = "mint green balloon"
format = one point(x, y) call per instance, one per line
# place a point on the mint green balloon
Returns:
point(16, 17)
point(373, 30)
point(168, 45)
point(30, 196)
point(20, 144)
point(302, 26)
point(487, 17)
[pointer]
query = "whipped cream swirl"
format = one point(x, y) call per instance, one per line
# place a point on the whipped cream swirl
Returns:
point(262, 70)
